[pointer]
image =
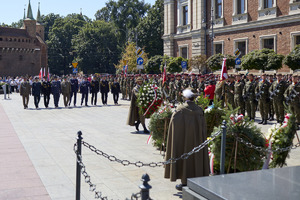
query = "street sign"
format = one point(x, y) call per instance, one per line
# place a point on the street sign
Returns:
point(237, 53)
point(238, 61)
point(140, 61)
point(140, 66)
point(238, 67)
point(183, 64)
point(75, 65)
point(139, 52)
point(75, 71)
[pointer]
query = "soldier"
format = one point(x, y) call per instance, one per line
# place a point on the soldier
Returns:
point(66, 90)
point(74, 89)
point(238, 94)
point(55, 90)
point(277, 90)
point(94, 90)
point(25, 92)
point(270, 78)
point(201, 84)
point(85, 87)
point(186, 81)
point(229, 92)
point(115, 90)
point(134, 117)
point(194, 83)
point(219, 91)
point(178, 88)
point(46, 90)
point(262, 95)
point(292, 95)
point(131, 86)
point(124, 88)
point(104, 89)
point(36, 92)
point(249, 96)
point(172, 88)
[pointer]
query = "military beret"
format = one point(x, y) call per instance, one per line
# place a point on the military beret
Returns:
point(139, 79)
point(295, 75)
point(172, 75)
point(264, 74)
point(192, 74)
point(178, 75)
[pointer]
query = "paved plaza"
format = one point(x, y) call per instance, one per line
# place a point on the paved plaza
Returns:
point(48, 136)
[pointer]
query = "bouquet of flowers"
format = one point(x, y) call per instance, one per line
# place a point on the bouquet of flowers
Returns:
point(149, 99)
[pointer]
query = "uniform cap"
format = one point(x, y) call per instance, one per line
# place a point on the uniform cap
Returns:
point(139, 79)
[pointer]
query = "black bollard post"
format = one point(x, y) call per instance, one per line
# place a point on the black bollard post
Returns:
point(78, 167)
point(223, 145)
point(145, 187)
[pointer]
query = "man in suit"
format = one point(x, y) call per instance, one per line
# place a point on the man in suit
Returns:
point(25, 92)
point(36, 91)
point(46, 90)
point(94, 90)
point(115, 90)
point(74, 89)
point(56, 90)
point(84, 90)
point(104, 89)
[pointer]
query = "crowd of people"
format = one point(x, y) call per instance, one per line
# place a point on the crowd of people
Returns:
point(248, 92)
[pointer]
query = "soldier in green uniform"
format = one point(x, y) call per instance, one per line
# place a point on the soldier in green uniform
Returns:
point(172, 88)
point(130, 87)
point(263, 97)
point(178, 88)
point(270, 78)
point(25, 91)
point(186, 81)
point(201, 84)
point(66, 90)
point(292, 95)
point(229, 92)
point(238, 94)
point(249, 97)
point(194, 83)
point(277, 90)
point(219, 91)
point(122, 86)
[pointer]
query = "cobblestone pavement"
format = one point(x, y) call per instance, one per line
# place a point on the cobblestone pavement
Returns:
point(48, 136)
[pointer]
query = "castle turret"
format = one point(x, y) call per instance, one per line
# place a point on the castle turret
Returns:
point(30, 23)
point(40, 29)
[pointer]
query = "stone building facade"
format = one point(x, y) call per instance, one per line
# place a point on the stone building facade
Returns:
point(238, 24)
point(23, 51)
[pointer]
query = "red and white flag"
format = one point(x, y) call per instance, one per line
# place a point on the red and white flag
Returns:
point(149, 139)
point(224, 74)
point(41, 73)
point(165, 74)
point(48, 77)
point(44, 74)
point(126, 67)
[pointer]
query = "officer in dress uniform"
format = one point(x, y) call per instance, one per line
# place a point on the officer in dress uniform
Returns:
point(74, 89)
point(94, 90)
point(292, 95)
point(115, 90)
point(25, 92)
point(56, 90)
point(46, 90)
point(262, 94)
point(84, 90)
point(104, 89)
point(36, 92)
point(66, 90)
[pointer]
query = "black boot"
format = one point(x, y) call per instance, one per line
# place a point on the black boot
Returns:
point(261, 122)
point(145, 129)
point(271, 117)
point(265, 122)
point(137, 125)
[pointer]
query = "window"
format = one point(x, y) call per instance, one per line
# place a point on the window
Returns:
point(218, 9)
point(268, 3)
point(218, 48)
point(242, 47)
point(185, 15)
point(297, 39)
point(1, 39)
point(268, 43)
point(184, 52)
point(240, 6)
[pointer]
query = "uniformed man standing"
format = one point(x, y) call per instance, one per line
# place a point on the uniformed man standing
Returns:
point(25, 92)
point(194, 83)
point(277, 90)
point(172, 88)
point(178, 88)
point(229, 92)
point(262, 94)
point(292, 95)
point(66, 90)
point(238, 94)
point(46, 90)
point(56, 90)
point(104, 89)
point(84, 90)
point(74, 89)
point(219, 91)
point(186, 81)
point(36, 92)
point(250, 97)
point(201, 84)
point(115, 90)
point(94, 90)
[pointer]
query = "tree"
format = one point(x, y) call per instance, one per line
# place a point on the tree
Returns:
point(175, 64)
point(18, 24)
point(198, 62)
point(96, 46)
point(265, 59)
point(292, 60)
point(215, 62)
point(48, 21)
point(60, 49)
point(150, 30)
point(130, 56)
point(154, 64)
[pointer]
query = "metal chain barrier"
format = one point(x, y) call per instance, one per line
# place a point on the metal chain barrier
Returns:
point(261, 149)
point(87, 177)
point(152, 164)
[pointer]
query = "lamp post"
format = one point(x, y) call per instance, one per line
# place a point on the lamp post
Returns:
point(212, 29)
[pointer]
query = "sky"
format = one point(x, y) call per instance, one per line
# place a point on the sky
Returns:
point(13, 10)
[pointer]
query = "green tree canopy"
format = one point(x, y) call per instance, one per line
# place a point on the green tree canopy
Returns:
point(292, 60)
point(48, 22)
point(198, 62)
point(150, 30)
point(215, 62)
point(265, 59)
point(174, 64)
point(153, 66)
point(96, 46)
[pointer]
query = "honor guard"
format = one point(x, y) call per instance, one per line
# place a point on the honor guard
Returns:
point(292, 95)
point(263, 98)
point(201, 84)
point(238, 94)
point(250, 97)
point(194, 83)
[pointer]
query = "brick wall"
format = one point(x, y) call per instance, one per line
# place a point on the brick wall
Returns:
point(179, 42)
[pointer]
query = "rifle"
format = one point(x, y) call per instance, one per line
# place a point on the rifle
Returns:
point(246, 96)
point(292, 95)
point(275, 91)
point(258, 95)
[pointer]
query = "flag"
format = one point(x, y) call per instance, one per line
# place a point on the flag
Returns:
point(126, 67)
point(149, 139)
point(164, 74)
point(41, 73)
point(224, 74)
point(44, 74)
point(48, 77)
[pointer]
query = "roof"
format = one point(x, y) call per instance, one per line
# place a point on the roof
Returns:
point(13, 32)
